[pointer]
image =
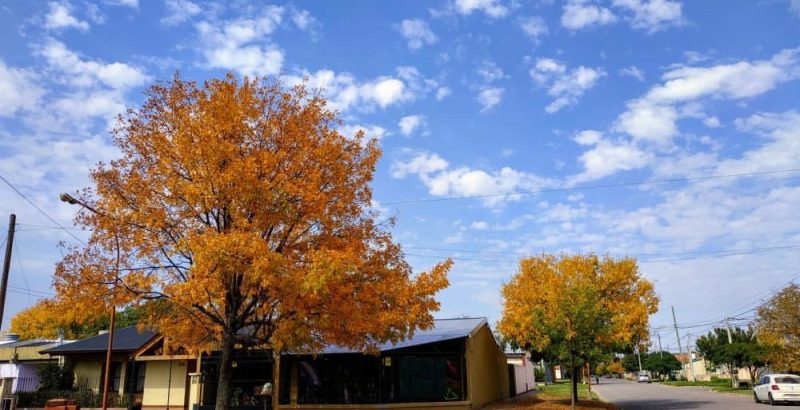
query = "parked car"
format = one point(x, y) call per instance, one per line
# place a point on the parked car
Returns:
point(775, 388)
point(644, 378)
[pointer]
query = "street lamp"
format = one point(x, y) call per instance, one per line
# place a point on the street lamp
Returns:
point(72, 201)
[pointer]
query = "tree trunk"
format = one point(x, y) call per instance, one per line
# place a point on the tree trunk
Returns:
point(574, 396)
point(224, 386)
point(276, 379)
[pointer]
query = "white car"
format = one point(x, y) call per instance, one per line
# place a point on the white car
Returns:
point(777, 387)
point(643, 378)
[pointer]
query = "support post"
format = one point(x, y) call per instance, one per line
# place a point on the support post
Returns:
point(107, 379)
point(12, 223)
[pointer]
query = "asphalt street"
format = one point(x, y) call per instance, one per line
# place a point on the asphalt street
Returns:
point(629, 395)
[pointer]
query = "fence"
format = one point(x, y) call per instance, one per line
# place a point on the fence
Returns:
point(30, 392)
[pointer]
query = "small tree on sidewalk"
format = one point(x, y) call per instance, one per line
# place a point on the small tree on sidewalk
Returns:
point(574, 308)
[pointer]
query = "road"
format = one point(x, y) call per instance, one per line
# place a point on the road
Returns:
point(629, 395)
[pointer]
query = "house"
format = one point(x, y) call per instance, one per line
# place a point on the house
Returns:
point(86, 358)
point(457, 364)
point(20, 362)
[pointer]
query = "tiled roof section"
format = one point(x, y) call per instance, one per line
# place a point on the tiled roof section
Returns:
point(126, 340)
point(443, 329)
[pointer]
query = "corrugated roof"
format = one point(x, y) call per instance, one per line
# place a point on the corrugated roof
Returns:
point(443, 329)
point(128, 339)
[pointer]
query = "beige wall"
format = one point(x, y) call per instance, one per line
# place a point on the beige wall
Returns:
point(159, 388)
point(487, 371)
point(88, 370)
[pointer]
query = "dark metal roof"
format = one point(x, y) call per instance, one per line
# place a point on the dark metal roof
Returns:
point(126, 340)
point(443, 329)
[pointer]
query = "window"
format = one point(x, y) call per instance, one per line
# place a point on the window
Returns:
point(787, 380)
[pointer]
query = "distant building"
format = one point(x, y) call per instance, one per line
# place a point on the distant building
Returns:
point(20, 362)
point(520, 372)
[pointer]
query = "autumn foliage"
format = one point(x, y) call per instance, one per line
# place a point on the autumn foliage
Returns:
point(575, 308)
point(778, 328)
point(239, 205)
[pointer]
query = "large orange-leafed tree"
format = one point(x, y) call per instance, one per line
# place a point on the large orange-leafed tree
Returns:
point(238, 206)
point(575, 308)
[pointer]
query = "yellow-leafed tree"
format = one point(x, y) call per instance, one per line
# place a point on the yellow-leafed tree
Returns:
point(778, 327)
point(575, 308)
point(239, 206)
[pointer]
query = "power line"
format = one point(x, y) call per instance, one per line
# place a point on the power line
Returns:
point(33, 204)
point(22, 270)
point(589, 187)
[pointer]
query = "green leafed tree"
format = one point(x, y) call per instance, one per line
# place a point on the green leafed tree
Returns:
point(661, 363)
point(742, 350)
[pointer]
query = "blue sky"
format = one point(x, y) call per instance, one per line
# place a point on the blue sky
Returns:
point(568, 106)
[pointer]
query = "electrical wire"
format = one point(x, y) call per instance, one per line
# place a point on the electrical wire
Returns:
point(46, 215)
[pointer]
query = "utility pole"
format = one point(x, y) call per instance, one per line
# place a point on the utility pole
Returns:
point(730, 342)
point(660, 350)
point(689, 349)
point(12, 223)
point(678, 335)
point(728, 328)
point(639, 355)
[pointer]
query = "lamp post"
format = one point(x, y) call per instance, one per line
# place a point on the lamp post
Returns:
point(72, 201)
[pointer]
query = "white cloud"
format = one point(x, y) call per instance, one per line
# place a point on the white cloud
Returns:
point(305, 21)
point(417, 33)
point(60, 16)
point(578, 14)
point(179, 11)
point(492, 8)
point(345, 92)
point(441, 180)
point(421, 164)
point(588, 137)
point(781, 149)
point(125, 3)
point(652, 15)
point(606, 157)
point(565, 85)
point(490, 97)
point(88, 73)
point(649, 122)
point(794, 5)
point(18, 90)
point(653, 117)
point(411, 123)
point(632, 71)
point(534, 27)
point(93, 89)
point(442, 92)
point(490, 72)
point(242, 44)
point(480, 225)
point(370, 131)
